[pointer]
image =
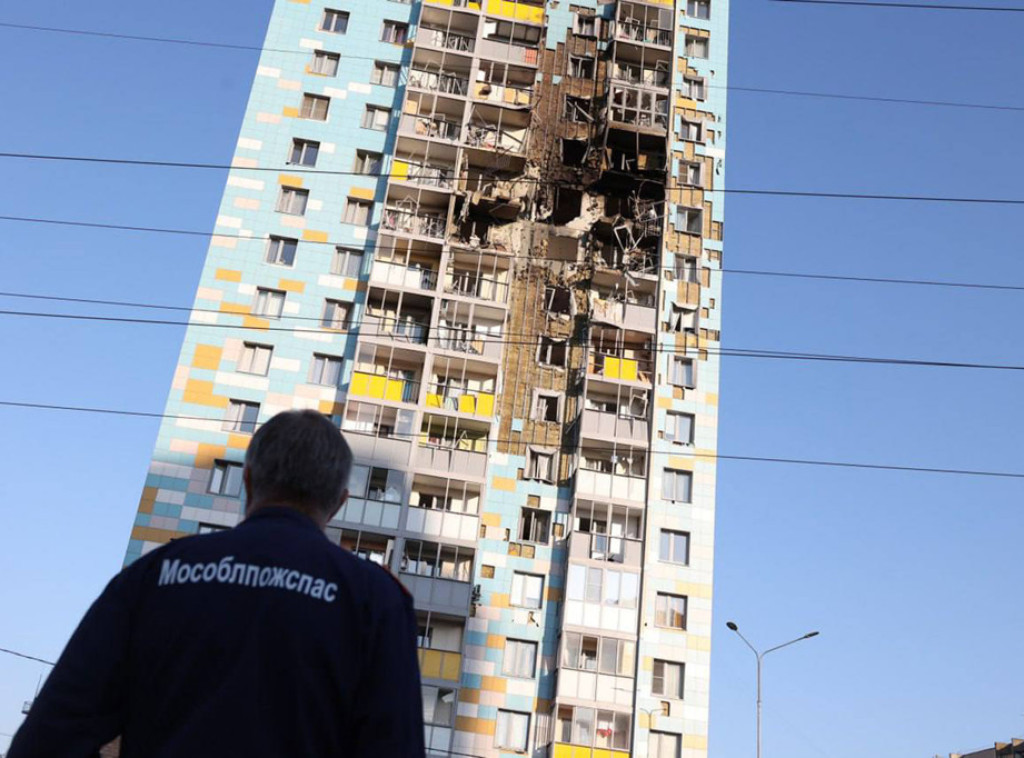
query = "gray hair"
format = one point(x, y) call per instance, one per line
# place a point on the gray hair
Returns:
point(299, 458)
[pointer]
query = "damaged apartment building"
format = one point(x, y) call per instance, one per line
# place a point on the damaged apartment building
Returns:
point(484, 238)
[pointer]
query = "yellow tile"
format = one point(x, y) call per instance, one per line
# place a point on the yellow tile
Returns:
point(467, 695)
point(251, 322)
point(201, 393)
point(351, 285)
point(290, 112)
point(207, 454)
point(493, 683)
point(681, 462)
point(314, 236)
point(499, 601)
point(503, 483)
point(207, 357)
point(491, 519)
point(290, 179)
point(152, 534)
point(694, 642)
point(228, 275)
point(664, 402)
point(711, 398)
point(361, 192)
point(291, 285)
point(475, 726)
point(239, 308)
point(695, 742)
point(496, 640)
point(238, 441)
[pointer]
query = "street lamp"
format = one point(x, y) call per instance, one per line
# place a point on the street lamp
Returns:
point(650, 722)
point(760, 656)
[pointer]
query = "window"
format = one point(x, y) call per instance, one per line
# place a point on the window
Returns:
point(682, 319)
point(520, 659)
point(585, 25)
point(601, 729)
point(315, 107)
point(281, 250)
point(692, 131)
point(438, 705)
point(384, 74)
point(334, 21)
point(376, 117)
point(545, 406)
point(269, 303)
point(693, 87)
point(691, 174)
point(679, 427)
point(582, 68)
point(558, 300)
point(255, 359)
point(685, 268)
point(676, 485)
point(368, 162)
point(357, 211)
point(674, 547)
point(540, 466)
point(394, 32)
point(527, 590)
point(241, 416)
point(670, 611)
point(347, 262)
point(376, 483)
point(577, 109)
point(682, 372)
point(663, 745)
point(534, 525)
point(668, 679)
point(512, 730)
point(551, 352)
point(605, 654)
point(325, 64)
point(226, 479)
point(292, 200)
point(304, 152)
point(326, 370)
point(603, 586)
point(699, 8)
point(336, 314)
point(696, 47)
point(438, 561)
point(690, 220)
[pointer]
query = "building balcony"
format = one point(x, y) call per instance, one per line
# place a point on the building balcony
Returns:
point(471, 284)
point(414, 276)
point(433, 81)
point(605, 547)
point(598, 424)
point(448, 460)
point(640, 76)
point(625, 314)
point(601, 484)
point(488, 137)
point(383, 387)
point(441, 177)
point(465, 338)
point(440, 39)
point(398, 328)
point(503, 94)
point(636, 366)
point(632, 31)
point(469, 402)
point(429, 127)
point(440, 664)
point(437, 594)
point(421, 224)
point(515, 10)
point(511, 52)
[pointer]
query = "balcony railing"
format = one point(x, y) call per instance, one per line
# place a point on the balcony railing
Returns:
point(472, 285)
point(401, 275)
point(408, 222)
point(611, 366)
point(382, 387)
point(641, 316)
point(493, 138)
point(431, 176)
point(464, 339)
point(503, 94)
point(461, 400)
point(445, 40)
point(440, 664)
point(437, 82)
point(399, 329)
point(510, 52)
point(651, 35)
point(648, 77)
point(426, 126)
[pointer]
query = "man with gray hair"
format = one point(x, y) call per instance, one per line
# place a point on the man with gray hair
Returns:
point(263, 640)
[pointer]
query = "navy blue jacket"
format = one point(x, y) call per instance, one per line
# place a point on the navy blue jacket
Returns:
point(265, 640)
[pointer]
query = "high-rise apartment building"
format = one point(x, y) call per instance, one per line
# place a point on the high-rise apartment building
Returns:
point(482, 236)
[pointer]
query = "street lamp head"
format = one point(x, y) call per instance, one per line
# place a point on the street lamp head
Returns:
point(811, 634)
point(735, 628)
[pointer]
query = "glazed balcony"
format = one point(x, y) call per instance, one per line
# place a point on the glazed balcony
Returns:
point(441, 39)
point(420, 223)
point(434, 81)
point(619, 476)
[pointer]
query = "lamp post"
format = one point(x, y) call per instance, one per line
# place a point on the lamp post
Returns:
point(760, 657)
point(650, 722)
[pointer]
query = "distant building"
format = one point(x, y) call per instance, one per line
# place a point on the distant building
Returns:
point(1012, 749)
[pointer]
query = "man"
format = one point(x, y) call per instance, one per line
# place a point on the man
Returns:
point(264, 640)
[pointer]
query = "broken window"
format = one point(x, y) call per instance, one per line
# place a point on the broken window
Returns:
point(573, 151)
point(577, 109)
point(585, 25)
point(683, 319)
point(551, 352)
point(692, 131)
point(568, 205)
point(693, 87)
point(557, 300)
point(540, 466)
point(690, 173)
point(690, 220)
point(534, 525)
point(582, 68)
point(545, 407)
point(685, 268)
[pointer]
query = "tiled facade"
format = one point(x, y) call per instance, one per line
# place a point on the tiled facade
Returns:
point(480, 236)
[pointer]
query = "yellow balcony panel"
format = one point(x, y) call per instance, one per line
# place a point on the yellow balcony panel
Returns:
point(434, 401)
point(400, 169)
point(451, 667)
point(485, 405)
point(612, 368)
point(517, 11)
point(394, 390)
point(467, 404)
point(430, 663)
point(360, 384)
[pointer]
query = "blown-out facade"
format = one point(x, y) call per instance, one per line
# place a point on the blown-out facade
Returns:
point(483, 237)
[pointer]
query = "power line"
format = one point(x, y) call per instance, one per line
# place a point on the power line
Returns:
point(654, 349)
point(620, 449)
point(26, 657)
point(735, 88)
point(915, 6)
point(519, 180)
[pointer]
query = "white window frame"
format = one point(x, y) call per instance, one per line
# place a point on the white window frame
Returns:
point(578, 64)
point(675, 364)
point(548, 395)
point(255, 356)
point(662, 611)
point(690, 220)
point(695, 87)
point(376, 118)
point(687, 179)
point(303, 146)
point(225, 479)
point(333, 16)
point(321, 368)
point(394, 32)
point(330, 320)
point(535, 466)
point(265, 297)
point(325, 63)
point(235, 416)
point(692, 131)
point(691, 38)
point(520, 659)
point(385, 74)
point(664, 744)
point(673, 488)
point(518, 595)
point(699, 9)
point(670, 535)
point(357, 211)
point(584, 24)
point(315, 107)
point(683, 319)
point(512, 731)
point(343, 260)
point(530, 515)
point(292, 201)
point(672, 420)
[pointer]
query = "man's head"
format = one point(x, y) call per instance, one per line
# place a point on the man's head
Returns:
point(298, 459)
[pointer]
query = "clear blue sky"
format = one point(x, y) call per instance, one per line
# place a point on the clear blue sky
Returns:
point(914, 580)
